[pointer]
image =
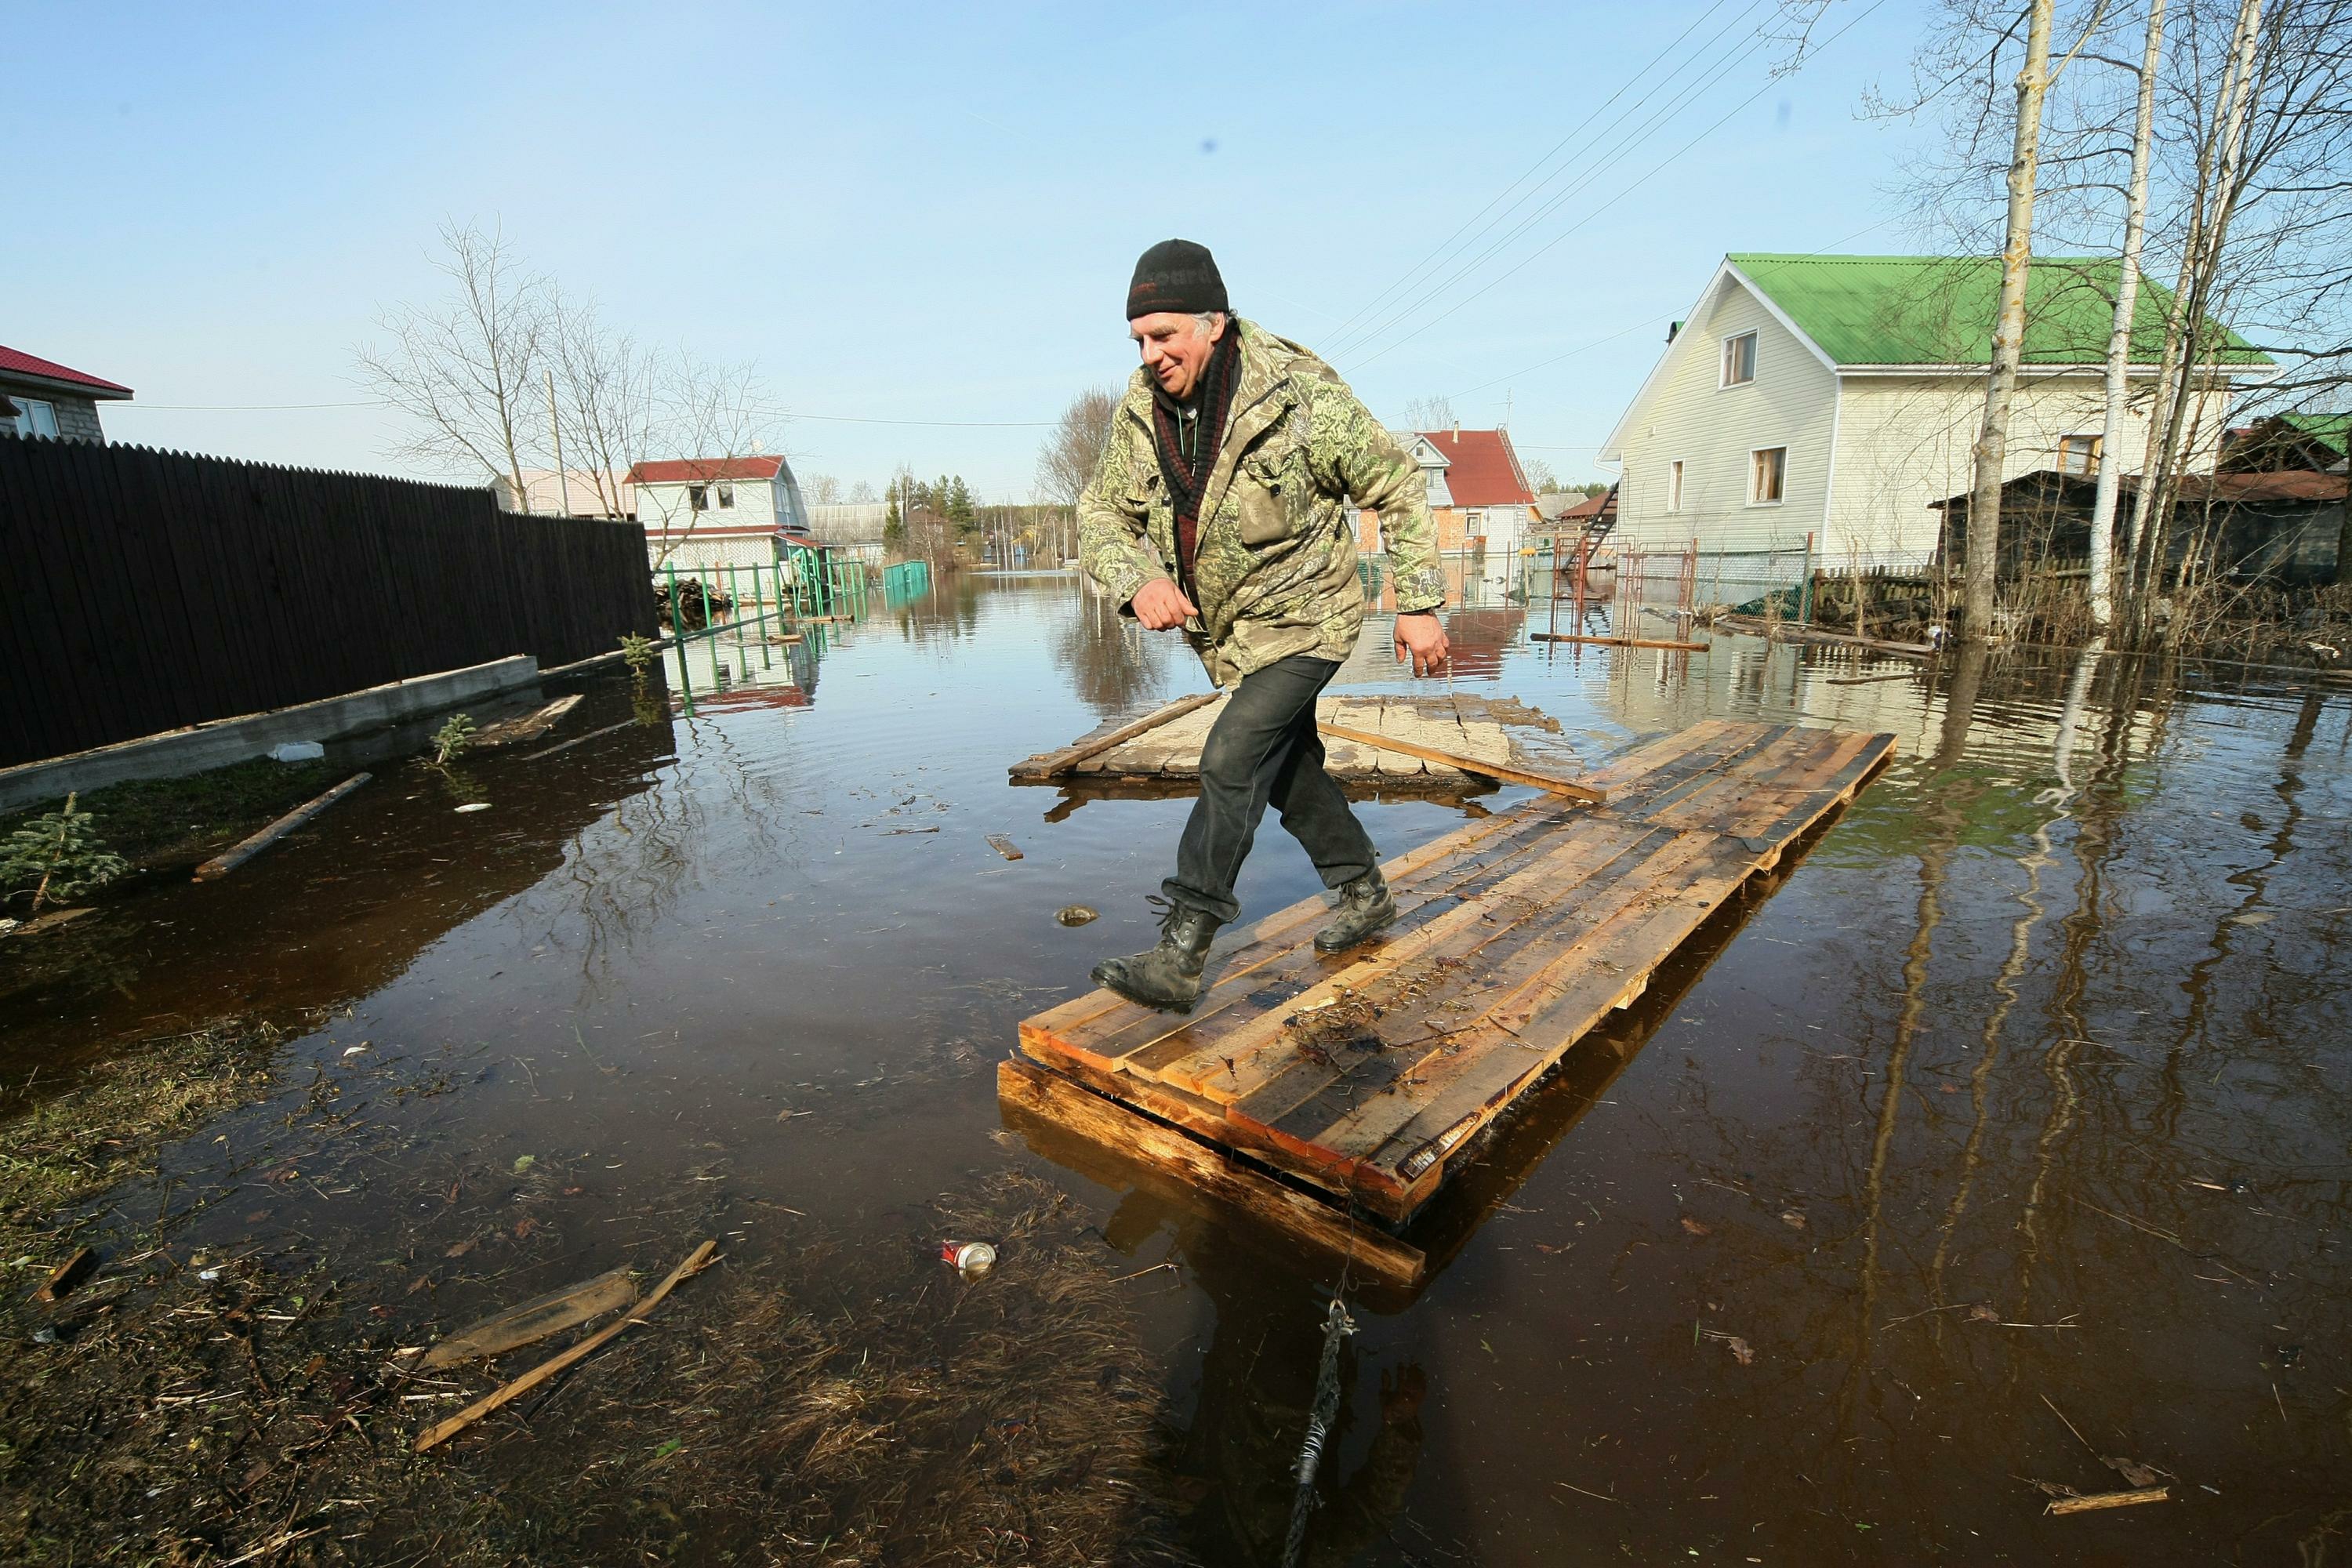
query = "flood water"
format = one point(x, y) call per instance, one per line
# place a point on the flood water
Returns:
point(2025, 1101)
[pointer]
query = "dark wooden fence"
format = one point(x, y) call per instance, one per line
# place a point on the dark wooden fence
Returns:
point(142, 590)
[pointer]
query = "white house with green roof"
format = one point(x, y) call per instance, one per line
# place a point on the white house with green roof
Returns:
point(1841, 396)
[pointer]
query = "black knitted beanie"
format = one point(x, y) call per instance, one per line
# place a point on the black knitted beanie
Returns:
point(1176, 275)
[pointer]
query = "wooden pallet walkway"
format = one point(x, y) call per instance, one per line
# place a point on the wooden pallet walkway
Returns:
point(1362, 1075)
point(1164, 746)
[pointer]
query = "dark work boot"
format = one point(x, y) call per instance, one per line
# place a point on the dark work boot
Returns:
point(1168, 976)
point(1364, 908)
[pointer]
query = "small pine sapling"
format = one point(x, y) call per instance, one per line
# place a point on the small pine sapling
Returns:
point(59, 857)
point(637, 653)
point(452, 738)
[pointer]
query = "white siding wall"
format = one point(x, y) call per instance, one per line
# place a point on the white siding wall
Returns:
point(1905, 442)
point(1713, 429)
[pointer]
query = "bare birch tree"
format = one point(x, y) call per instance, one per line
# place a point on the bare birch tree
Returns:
point(2009, 333)
point(465, 370)
point(2119, 335)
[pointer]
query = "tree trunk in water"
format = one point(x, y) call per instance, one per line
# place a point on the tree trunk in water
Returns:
point(2009, 333)
point(2111, 441)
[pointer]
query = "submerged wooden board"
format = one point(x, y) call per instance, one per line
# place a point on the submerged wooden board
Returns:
point(1364, 1074)
point(1425, 737)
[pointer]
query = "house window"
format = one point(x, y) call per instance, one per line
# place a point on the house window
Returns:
point(1768, 471)
point(1675, 485)
point(34, 418)
point(698, 498)
point(2079, 454)
point(726, 497)
point(1739, 360)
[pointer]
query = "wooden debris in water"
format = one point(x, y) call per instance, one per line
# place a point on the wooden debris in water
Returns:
point(531, 1322)
point(1004, 847)
point(67, 1275)
point(530, 726)
point(2096, 1500)
point(229, 860)
point(441, 1432)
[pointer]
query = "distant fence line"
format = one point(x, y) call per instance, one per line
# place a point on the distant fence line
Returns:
point(149, 590)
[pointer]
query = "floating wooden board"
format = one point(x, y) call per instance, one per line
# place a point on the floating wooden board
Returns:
point(1407, 744)
point(1363, 1074)
point(1054, 764)
point(1623, 642)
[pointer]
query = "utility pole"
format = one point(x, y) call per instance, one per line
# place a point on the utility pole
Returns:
point(555, 429)
point(2007, 335)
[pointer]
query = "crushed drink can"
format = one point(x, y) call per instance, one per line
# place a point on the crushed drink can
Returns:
point(971, 1258)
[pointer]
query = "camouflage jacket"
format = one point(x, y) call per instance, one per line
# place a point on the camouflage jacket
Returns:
point(1273, 570)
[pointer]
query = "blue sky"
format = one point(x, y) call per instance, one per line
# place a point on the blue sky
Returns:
point(914, 212)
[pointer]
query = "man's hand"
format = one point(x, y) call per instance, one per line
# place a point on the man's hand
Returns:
point(1161, 605)
point(1419, 640)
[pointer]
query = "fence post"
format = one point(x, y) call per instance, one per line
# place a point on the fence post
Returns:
point(1805, 592)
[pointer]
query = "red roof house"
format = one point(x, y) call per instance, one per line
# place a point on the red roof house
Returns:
point(41, 397)
point(1478, 495)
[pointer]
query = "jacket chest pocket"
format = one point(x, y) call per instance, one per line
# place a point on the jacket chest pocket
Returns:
point(1272, 493)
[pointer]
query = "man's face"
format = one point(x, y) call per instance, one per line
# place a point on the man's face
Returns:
point(1176, 348)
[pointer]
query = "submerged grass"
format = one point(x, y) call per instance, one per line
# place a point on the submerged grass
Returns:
point(170, 822)
point(805, 1401)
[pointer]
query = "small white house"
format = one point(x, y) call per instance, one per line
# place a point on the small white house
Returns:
point(717, 511)
point(1841, 396)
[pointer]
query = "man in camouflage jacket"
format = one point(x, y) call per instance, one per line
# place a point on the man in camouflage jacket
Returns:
point(1224, 506)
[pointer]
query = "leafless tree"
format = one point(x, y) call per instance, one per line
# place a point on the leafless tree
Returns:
point(1432, 412)
point(465, 371)
point(862, 493)
point(2009, 328)
point(714, 412)
point(2119, 331)
point(609, 396)
point(822, 489)
point(1068, 460)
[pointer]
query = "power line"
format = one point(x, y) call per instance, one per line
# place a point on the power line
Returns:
point(1612, 201)
point(1834, 245)
point(776, 413)
point(1623, 87)
point(1710, 73)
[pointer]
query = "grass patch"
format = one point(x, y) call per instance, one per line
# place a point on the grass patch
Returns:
point(105, 1129)
point(171, 822)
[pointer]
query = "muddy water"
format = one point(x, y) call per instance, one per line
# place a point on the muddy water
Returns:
point(2021, 1102)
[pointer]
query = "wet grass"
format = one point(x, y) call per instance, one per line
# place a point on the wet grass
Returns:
point(164, 823)
point(806, 1400)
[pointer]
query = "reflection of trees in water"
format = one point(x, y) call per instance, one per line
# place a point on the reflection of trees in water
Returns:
point(623, 875)
point(1101, 652)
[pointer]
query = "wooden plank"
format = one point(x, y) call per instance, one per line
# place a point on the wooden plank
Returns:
point(1049, 764)
point(528, 1322)
point(1503, 771)
point(1234, 1065)
point(229, 860)
point(1609, 969)
point(1623, 642)
point(1278, 932)
point(1066, 1104)
point(1283, 964)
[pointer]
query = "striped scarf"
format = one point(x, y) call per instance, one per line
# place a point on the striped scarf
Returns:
point(1188, 447)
